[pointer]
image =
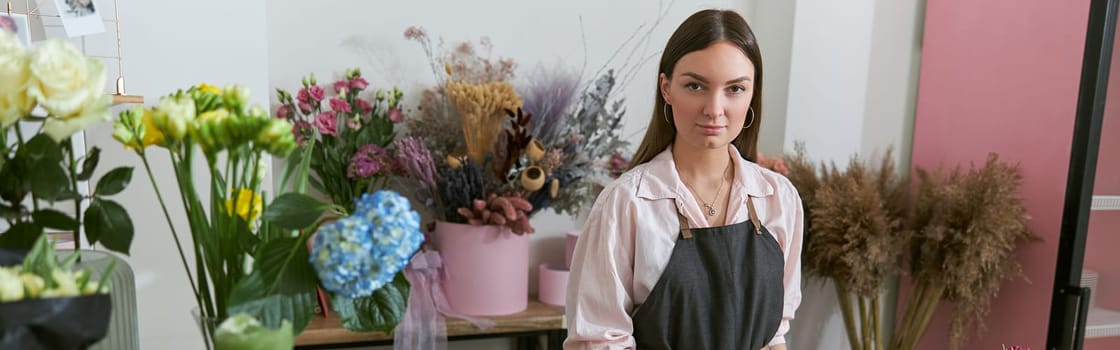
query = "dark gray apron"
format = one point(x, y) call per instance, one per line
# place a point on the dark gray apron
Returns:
point(722, 289)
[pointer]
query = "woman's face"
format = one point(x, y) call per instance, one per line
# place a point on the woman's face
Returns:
point(709, 94)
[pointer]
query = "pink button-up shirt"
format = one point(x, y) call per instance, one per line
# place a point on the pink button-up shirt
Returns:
point(631, 232)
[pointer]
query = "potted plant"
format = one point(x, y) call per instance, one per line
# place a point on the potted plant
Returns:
point(47, 95)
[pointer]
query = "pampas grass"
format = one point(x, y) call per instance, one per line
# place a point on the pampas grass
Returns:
point(967, 226)
point(855, 221)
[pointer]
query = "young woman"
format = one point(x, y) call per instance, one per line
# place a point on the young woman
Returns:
point(696, 246)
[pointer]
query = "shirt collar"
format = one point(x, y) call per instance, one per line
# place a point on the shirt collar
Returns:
point(660, 179)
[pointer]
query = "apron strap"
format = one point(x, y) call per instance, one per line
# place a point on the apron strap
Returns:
point(685, 232)
point(754, 215)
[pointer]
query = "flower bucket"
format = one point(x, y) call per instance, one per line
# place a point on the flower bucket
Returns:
point(553, 286)
point(486, 268)
point(571, 238)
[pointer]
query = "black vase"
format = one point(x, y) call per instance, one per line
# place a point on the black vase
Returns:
point(54, 323)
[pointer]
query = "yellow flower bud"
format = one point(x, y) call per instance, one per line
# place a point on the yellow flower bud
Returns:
point(249, 204)
point(149, 133)
point(277, 137)
point(210, 89)
point(214, 115)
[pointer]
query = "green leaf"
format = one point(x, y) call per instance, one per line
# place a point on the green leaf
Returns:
point(8, 212)
point(294, 211)
point(54, 219)
point(40, 259)
point(114, 181)
point(12, 185)
point(68, 195)
point(89, 164)
point(107, 222)
point(379, 312)
point(42, 148)
point(281, 286)
point(21, 236)
point(48, 180)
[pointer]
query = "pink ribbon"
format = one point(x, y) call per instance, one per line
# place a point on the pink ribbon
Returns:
point(424, 326)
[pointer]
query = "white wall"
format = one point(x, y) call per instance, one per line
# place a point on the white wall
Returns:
point(852, 86)
point(772, 22)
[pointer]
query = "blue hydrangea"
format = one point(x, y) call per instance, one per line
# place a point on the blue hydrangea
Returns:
point(359, 254)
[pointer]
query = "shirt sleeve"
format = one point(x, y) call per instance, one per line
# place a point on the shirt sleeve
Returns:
point(600, 283)
point(794, 222)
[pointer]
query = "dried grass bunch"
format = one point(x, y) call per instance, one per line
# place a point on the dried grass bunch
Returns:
point(856, 217)
point(966, 228)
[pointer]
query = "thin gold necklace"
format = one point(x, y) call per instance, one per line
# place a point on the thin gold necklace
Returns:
point(709, 205)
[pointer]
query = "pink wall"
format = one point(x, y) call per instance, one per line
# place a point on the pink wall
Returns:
point(1002, 76)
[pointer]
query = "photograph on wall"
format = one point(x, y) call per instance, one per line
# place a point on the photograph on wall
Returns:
point(80, 17)
point(16, 24)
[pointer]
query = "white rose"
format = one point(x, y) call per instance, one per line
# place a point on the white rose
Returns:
point(95, 111)
point(65, 82)
point(14, 77)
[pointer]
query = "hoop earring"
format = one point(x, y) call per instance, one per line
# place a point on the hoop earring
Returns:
point(750, 111)
point(665, 113)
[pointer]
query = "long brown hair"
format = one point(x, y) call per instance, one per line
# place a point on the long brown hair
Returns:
point(699, 31)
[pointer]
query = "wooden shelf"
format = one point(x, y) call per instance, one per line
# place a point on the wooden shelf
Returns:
point(537, 317)
point(127, 99)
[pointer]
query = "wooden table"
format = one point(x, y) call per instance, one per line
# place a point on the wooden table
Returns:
point(527, 326)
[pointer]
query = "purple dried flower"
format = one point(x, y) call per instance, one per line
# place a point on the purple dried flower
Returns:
point(369, 161)
point(415, 161)
point(415, 33)
point(549, 95)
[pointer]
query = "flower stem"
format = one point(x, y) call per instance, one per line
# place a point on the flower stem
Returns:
point(182, 167)
point(73, 177)
point(846, 310)
point(34, 201)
